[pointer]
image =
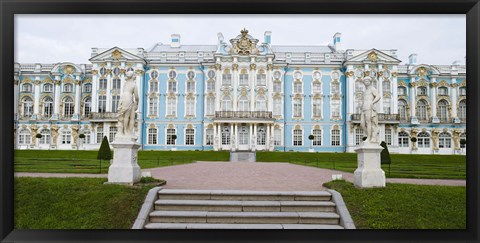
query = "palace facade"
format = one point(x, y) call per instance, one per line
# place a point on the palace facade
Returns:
point(242, 94)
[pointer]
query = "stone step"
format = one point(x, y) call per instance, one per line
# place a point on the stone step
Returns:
point(244, 217)
point(244, 206)
point(239, 226)
point(180, 194)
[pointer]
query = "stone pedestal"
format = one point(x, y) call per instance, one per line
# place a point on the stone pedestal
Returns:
point(369, 172)
point(124, 169)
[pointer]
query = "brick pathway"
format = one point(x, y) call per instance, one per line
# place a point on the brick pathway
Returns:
point(248, 176)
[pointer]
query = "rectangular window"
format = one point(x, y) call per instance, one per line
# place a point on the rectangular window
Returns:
point(103, 83)
point(170, 136)
point(261, 135)
point(297, 137)
point(261, 79)
point(115, 100)
point(191, 87)
point(401, 91)
point(277, 107)
point(102, 103)
point(171, 107)
point(297, 107)
point(189, 137)
point(172, 86)
point(153, 86)
point(66, 137)
point(358, 136)
point(277, 137)
point(277, 87)
point(227, 79)
point(244, 79)
point(225, 135)
point(317, 107)
point(87, 88)
point(209, 136)
point(335, 137)
point(388, 136)
point(210, 106)
point(190, 109)
point(113, 132)
point(152, 136)
point(335, 88)
point(210, 86)
point(297, 87)
point(99, 134)
point(317, 137)
point(116, 83)
point(335, 108)
point(153, 106)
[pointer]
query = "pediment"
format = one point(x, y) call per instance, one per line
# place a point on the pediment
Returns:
point(115, 54)
point(373, 55)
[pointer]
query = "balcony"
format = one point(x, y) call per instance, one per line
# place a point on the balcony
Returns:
point(382, 118)
point(243, 115)
point(103, 116)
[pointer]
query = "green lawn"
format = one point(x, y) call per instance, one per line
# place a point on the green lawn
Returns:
point(403, 165)
point(75, 203)
point(72, 161)
point(403, 206)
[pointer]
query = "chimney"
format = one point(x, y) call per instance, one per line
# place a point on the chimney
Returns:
point(175, 40)
point(337, 42)
point(412, 59)
point(268, 37)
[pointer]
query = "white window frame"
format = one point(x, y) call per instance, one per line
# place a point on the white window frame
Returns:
point(335, 138)
point(152, 135)
point(295, 136)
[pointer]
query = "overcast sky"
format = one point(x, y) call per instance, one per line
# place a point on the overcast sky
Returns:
point(437, 39)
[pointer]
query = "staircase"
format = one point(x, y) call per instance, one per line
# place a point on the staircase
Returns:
point(240, 156)
point(227, 209)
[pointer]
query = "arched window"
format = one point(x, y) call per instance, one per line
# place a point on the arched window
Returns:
point(27, 106)
point(386, 86)
point(358, 136)
point(45, 139)
point(153, 106)
point(209, 136)
point(423, 140)
point(444, 140)
point(462, 110)
point(47, 107)
point(443, 91)
point(317, 137)
point(403, 139)
point(261, 135)
point(24, 137)
point(67, 88)
point(189, 136)
point(87, 88)
point(442, 111)
point(243, 103)
point(27, 88)
point(297, 137)
point(88, 136)
point(47, 88)
point(422, 110)
point(402, 91)
point(68, 107)
point(261, 78)
point(113, 132)
point(226, 103)
point(210, 105)
point(243, 77)
point(402, 110)
point(335, 133)
point(225, 135)
point(152, 136)
point(317, 107)
point(170, 133)
point(261, 103)
point(335, 107)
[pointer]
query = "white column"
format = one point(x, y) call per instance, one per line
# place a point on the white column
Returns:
point(108, 91)
point(394, 92)
point(270, 87)
point(236, 136)
point(250, 136)
point(94, 91)
point(235, 85)
point(454, 101)
point(412, 100)
point(267, 140)
point(231, 136)
point(350, 92)
point(251, 80)
point(254, 144)
point(433, 100)
point(77, 99)
point(218, 83)
point(57, 98)
point(380, 91)
point(36, 104)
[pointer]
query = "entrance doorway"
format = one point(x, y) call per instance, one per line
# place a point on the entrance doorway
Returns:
point(243, 137)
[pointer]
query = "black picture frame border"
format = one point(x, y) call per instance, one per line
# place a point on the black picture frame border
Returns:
point(8, 8)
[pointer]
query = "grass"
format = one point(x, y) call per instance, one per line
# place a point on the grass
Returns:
point(403, 206)
point(72, 161)
point(403, 165)
point(75, 203)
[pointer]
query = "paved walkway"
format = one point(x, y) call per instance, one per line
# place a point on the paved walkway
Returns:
point(249, 176)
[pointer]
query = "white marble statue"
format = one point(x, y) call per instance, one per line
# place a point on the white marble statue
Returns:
point(127, 107)
point(369, 118)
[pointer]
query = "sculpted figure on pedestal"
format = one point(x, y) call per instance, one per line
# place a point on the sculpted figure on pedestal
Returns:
point(127, 106)
point(369, 118)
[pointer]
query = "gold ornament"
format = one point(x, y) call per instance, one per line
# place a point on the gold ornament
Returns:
point(372, 56)
point(117, 54)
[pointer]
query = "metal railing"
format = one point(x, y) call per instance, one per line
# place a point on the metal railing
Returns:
point(381, 117)
point(244, 114)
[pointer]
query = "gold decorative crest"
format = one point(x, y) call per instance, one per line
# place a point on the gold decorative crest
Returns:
point(372, 56)
point(244, 45)
point(117, 54)
point(68, 69)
